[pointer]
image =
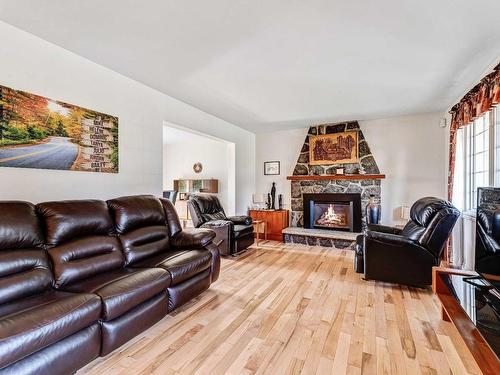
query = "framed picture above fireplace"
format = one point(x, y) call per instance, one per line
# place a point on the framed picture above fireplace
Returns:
point(336, 148)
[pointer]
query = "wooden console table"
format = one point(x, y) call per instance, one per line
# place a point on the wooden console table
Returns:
point(276, 221)
point(453, 312)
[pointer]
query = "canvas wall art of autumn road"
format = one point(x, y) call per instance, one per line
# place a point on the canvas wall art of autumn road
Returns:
point(38, 132)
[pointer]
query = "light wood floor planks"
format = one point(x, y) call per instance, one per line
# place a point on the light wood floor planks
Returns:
point(290, 309)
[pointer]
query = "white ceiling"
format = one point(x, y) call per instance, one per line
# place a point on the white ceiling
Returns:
point(275, 64)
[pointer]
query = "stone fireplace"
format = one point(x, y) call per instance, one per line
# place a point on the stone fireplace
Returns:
point(331, 228)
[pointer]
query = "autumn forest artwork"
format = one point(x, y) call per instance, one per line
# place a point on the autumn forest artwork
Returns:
point(37, 132)
point(336, 148)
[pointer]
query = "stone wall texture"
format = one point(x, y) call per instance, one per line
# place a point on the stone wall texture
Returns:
point(302, 168)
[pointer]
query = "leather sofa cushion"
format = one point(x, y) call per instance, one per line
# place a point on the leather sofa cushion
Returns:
point(31, 324)
point(242, 231)
point(122, 290)
point(23, 273)
point(66, 220)
point(19, 226)
point(181, 264)
point(144, 242)
point(137, 211)
point(413, 231)
point(214, 216)
point(85, 257)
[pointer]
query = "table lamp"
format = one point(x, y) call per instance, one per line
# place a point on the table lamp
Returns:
point(258, 199)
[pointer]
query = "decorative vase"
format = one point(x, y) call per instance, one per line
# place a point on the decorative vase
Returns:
point(372, 211)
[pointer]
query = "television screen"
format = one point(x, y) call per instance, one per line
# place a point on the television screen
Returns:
point(487, 260)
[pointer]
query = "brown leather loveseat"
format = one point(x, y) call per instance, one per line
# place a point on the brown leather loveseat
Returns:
point(80, 278)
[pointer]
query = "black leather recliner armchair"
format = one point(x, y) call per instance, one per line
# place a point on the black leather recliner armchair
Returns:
point(233, 233)
point(406, 256)
point(487, 237)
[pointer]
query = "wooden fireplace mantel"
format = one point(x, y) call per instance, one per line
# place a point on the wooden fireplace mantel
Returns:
point(337, 177)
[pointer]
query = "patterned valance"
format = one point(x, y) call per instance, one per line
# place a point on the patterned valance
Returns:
point(475, 103)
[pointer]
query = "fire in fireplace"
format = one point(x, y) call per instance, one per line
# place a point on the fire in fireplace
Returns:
point(334, 211)
point(332, 215)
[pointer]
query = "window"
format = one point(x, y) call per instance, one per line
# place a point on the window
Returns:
point(477, 158)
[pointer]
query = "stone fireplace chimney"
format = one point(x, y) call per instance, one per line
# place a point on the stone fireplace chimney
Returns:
point(363, 186)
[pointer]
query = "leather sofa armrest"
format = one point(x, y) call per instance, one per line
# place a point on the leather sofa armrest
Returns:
point(200, 238)
point(389, 238)
point(224, 233)
point(240, 220)
point(216, 224)
point(384, 229)
point(192, 238)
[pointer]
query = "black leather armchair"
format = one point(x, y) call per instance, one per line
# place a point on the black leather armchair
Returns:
point(406, 256)
point(487, 237)
point(233, 233)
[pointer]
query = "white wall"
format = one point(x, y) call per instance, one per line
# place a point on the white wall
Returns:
point(285, 147)
point(183, 149)
point(34, 65)
point(410, 151)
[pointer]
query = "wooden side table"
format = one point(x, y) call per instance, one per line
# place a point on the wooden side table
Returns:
point(256, 227)
point(276, 221)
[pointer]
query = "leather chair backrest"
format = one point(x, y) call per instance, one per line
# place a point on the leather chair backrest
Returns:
point(432, 220)
point(173, 222)
point(24, 266)
point(171, 195)
point(205, 207)
point(80, 239)
point(486, 233)
point(141, 226)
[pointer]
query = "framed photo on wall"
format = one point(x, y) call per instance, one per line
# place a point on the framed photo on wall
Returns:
point(336, 148)
point(271, 168)
point(43, 133)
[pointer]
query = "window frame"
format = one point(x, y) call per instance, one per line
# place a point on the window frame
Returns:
point(469, 156)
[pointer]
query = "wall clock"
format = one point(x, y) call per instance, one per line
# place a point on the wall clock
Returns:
point(197, 167)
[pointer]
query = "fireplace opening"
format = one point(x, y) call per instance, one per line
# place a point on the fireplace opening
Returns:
point(335, 215)
point(333, 211)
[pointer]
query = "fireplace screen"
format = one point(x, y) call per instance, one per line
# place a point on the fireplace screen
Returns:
point(332, 215)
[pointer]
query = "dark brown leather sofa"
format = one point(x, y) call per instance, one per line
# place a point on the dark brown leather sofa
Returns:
point(80, 278)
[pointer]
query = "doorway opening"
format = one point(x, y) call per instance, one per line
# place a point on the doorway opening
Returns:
point(196, 162)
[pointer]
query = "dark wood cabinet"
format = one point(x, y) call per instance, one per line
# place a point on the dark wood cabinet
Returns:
point(196, 186)
point(275, 221)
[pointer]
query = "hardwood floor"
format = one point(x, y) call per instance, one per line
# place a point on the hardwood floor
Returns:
point(290, 309)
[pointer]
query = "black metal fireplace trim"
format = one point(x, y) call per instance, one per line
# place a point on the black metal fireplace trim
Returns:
point(333, 197)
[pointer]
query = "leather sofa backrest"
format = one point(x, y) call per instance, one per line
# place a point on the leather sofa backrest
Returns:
point(80, 239)
point(205, 207)
point(141, 226)
point(432, 220)
point(173, 222)
point(24, 266)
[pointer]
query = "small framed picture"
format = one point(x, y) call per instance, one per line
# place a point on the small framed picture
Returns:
point(271, 168)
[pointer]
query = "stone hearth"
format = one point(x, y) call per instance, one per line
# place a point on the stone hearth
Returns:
point(320, 237)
